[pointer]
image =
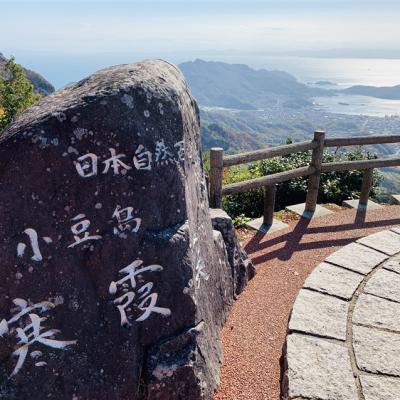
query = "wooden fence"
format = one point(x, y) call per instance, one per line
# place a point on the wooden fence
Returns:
point(218, 162)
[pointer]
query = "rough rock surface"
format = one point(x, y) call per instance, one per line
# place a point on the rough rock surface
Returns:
point(393, 264)
point(385, 284)
point(318, 369)
point(387, 242)
point(376, 312)
point(242, 267)
point(377, 387)
point(357, 257)
point(329, 279)
point(377, 351)
point(319, 314)
point(114, 284)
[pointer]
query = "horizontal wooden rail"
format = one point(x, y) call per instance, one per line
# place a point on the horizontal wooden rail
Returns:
point(363, 164)
point(266, 180)
point(269, 152)
point(362, 140)
point(218, 162)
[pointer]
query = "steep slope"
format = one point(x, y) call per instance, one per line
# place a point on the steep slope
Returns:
point(231, 140)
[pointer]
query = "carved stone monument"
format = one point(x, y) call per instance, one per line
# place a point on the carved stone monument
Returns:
point(113, 283)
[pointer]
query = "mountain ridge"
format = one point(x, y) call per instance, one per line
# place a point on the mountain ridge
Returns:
point(380, 92)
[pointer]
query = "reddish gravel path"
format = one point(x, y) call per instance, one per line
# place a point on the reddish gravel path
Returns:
point(255, 332)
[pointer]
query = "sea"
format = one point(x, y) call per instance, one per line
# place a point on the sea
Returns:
point(332, 72)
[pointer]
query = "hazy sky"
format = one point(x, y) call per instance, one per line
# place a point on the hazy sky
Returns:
point(71, 27)
point(68, 29)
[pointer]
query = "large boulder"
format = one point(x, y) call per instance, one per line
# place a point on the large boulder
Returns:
point(113, 283)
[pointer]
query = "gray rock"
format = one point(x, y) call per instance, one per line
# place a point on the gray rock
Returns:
point(179, 368)
point(376, 312)
point(317, 369)
point(187, 366)
point(319, 314)
point(242, 267)
point(357, 257)
point(387, 242)
point(333, 280)
point(393, 264)
point(384, 284)
point(105, 218)
point(377, 387)
point(377, 351)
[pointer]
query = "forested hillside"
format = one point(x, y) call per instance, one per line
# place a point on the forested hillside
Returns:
point(40, 84)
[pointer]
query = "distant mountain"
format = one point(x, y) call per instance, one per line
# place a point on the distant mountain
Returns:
point(388, 92)
point(230, 94)
point(41, 85)
point(218, 84)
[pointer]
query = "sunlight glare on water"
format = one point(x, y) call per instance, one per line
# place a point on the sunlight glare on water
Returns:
point(344, 72)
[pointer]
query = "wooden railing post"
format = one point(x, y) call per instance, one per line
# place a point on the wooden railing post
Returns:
point(216, 171)
point(366, 186)
point(269, 204)
point(316, 161)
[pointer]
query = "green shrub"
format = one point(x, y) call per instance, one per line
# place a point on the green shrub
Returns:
point(240, 220)
point(248, 203)
point(334, 186)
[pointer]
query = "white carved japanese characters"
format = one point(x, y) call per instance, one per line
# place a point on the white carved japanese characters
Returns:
point(143, 297)
point(27, 326)
point(80, 231)
point(34, 243)
point(126, 221)
point(88, 165)
point(115, 163)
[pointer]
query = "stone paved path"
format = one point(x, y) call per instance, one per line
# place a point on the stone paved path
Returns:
point(344, 330)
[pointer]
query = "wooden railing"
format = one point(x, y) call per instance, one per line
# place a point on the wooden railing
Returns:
point(218, 162)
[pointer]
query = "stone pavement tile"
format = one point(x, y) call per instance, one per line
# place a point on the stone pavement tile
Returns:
point(355, 204)
point(377, 312)
point(333, 280)
point(396, 229)
point(384, 284)
point(319, 314)
point(319, 369)
point(258, 225)
point(378, 387)
point(395, 199)
point(393, 264)
point(386, 241)
point(299, 209)
point(357, 257)
point(377, 351)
